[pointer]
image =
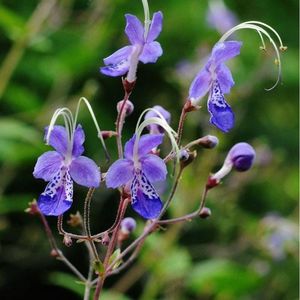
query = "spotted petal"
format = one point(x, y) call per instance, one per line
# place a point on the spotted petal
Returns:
point(155, 27)
point(47, 165)
point(57, 197)
point(134, 29)
point(221, 113)
point(151, 52)
point(119, 173)
point(84, 171)
point(145, 200)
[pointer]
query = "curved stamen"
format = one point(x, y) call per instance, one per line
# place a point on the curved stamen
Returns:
point(261, 31)
point(90, 109)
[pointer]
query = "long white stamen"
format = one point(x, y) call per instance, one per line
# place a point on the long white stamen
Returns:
point(89, 107)
point(147, 18)
point(261, 31)
point(161, 122)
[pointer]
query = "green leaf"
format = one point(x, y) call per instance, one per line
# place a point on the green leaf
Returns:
point(114, 256)
point(98, 267)
point(222, 277)
point(67, 281)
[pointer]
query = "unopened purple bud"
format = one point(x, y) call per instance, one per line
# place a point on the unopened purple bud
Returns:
point(209, 141)
point(128, 225)
point(183, 155)
point(128, 109)
point(154, 128)
point(205, 213)
point(67, 240)
point(242, 156)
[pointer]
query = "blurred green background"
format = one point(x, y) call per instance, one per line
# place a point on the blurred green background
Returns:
point(50, 55)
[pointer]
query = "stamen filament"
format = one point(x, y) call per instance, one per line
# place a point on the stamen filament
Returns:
point(147, 21)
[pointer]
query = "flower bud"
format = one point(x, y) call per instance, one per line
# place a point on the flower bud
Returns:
point(208, 141)
point(191, 156)
point(183, 155)
point(105, 239)
point(128, 109)
point(205, 213)
point(154, 128)
point(240, 157)
point(128, 225)
point(32, 208)
point(67, 240)
point(106, 134)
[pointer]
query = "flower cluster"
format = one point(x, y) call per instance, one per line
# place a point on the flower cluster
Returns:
point(141, 164)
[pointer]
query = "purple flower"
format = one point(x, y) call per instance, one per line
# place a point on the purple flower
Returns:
point(154, 128)
point(61, 167)
point(128, 225)
point(143, 48)
point(220, 17)
point(140, 172)
point(215, 78)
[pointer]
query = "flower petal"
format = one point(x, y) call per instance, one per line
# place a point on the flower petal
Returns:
point(225, 51)
point(57, 197)
point(58, 139)
point(47, 165)
point(224, 78)
point(151, 52)
point(145, 200)
point(117, 64)
point(146, 143)
point(84, 171)
point(154, 168)
point(134, 29)
point(155, 27)
point(221, 113)
point(119, 173)
point(200, 85)
point(118, 56)
point(78, 141)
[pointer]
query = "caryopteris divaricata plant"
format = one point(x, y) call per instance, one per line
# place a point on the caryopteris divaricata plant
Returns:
point(140, 163)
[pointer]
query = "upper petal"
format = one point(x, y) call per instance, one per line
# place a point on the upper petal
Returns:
point(221, 113)
point(58, 139)
point(151, 52)
point(146, 143)
point(58, 195)
point(154, 168)
point(84, 171)
point(155, 27)
point(224, 78)
point(47, 165)
point(119, 173)
point(200, 85)
point(78, 141)
point(134, 29)
point(224, 51)
point(145, 200)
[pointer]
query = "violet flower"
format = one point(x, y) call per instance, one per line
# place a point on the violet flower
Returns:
point(155, 128)
point(215, 78)
point(61, 167)
point(220, 17)
point(143, 47)
point(140, 172)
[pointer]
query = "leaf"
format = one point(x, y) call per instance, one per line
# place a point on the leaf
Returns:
point(222, 277)
point(113, 257)
point(98, 267)
point(67, 281)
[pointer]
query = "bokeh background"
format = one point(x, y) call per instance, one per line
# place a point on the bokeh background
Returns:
point(50, 55)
